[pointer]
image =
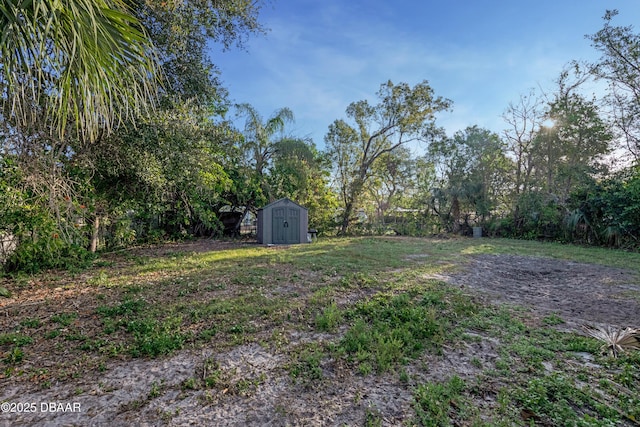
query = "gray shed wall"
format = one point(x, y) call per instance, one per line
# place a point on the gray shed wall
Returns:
point(265, 223)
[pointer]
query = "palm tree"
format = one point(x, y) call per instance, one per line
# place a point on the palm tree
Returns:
point(261, 142)
point(82, 61)
point(259, 135)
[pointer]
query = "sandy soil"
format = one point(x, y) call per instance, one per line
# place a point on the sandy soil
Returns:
point(258, 391)
point(579, 293)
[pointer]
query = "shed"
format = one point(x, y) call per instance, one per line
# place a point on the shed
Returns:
point(282, 222)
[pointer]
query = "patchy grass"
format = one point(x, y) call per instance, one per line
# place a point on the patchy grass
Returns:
point(305, 366)
point(388, 330)
point(371, 306)
point(437, 404)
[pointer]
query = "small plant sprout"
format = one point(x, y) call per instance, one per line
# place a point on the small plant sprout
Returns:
point(616, 341)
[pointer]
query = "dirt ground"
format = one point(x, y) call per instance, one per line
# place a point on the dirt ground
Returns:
point(578, 293)
point(149, 392)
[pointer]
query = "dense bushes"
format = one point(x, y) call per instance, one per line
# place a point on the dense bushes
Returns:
point(605, 213)
point(608, 212)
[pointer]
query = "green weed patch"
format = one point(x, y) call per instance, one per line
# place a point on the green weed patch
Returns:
point(388, 330)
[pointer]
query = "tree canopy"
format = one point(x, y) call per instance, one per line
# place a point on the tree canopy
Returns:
point(403, 114)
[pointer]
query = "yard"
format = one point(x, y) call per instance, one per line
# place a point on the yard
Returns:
point(354, 331)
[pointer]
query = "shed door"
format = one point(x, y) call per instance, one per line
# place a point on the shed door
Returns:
point(293, 225)
point(285, 225)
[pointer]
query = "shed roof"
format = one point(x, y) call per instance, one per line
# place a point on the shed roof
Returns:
point(284, 199)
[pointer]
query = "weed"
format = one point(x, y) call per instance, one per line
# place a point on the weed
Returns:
point(31, 323)
point(64, 319)
point(322, 296)
point(52, 334)
point(357, 280)
point(126, 307)
point(628, 375)
point(208, 334)
point(133, 289)
point(155, 390)
point(77, 336)
point(14, 356)
point(389, 329)
point(167, 416)
point(110, 326)
point(365, 368)
point(18, 340)
point(329, 319)
point(132, 405)
point(555, 398)
point(153, 337)
point(503, 366)
point(372, 418)
point(552, 319)
point(190, 384)
point(305, 366)
point(211, 373)
point(280, 409)
point(403, 376)
point(437, 403)
point(530, 353)
point(246, 387)
point(103, 263)
point(101, 279)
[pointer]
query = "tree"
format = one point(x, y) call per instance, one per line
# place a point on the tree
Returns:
point(262, 137)
point(402, 115)
point(182, 30)
point(298, 171)
point(164, 177)
point(84, 62)
point(173, 168)
point(473, 175)
point(77, 174)
point(261, 141)
point(524, 119)
point(620, 66)
point(570, 152)
point(557, 145)
point(392, 179)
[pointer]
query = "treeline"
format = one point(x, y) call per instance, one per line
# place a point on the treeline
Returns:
point(163, 159)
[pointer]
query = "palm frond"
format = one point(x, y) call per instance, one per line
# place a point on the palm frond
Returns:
point(86, 62)
point(615, 341)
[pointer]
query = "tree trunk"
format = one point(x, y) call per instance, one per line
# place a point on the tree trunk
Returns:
point(93, 247)
point(455, 212)
point(346, 216)
point(351, 200)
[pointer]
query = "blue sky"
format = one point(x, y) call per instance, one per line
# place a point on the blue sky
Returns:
point(319, 56)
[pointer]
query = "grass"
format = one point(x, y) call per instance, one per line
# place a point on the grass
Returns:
point(388, 330)
point(437, 404)
point(305, 366)
point(329, 319)
point(370, 303)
